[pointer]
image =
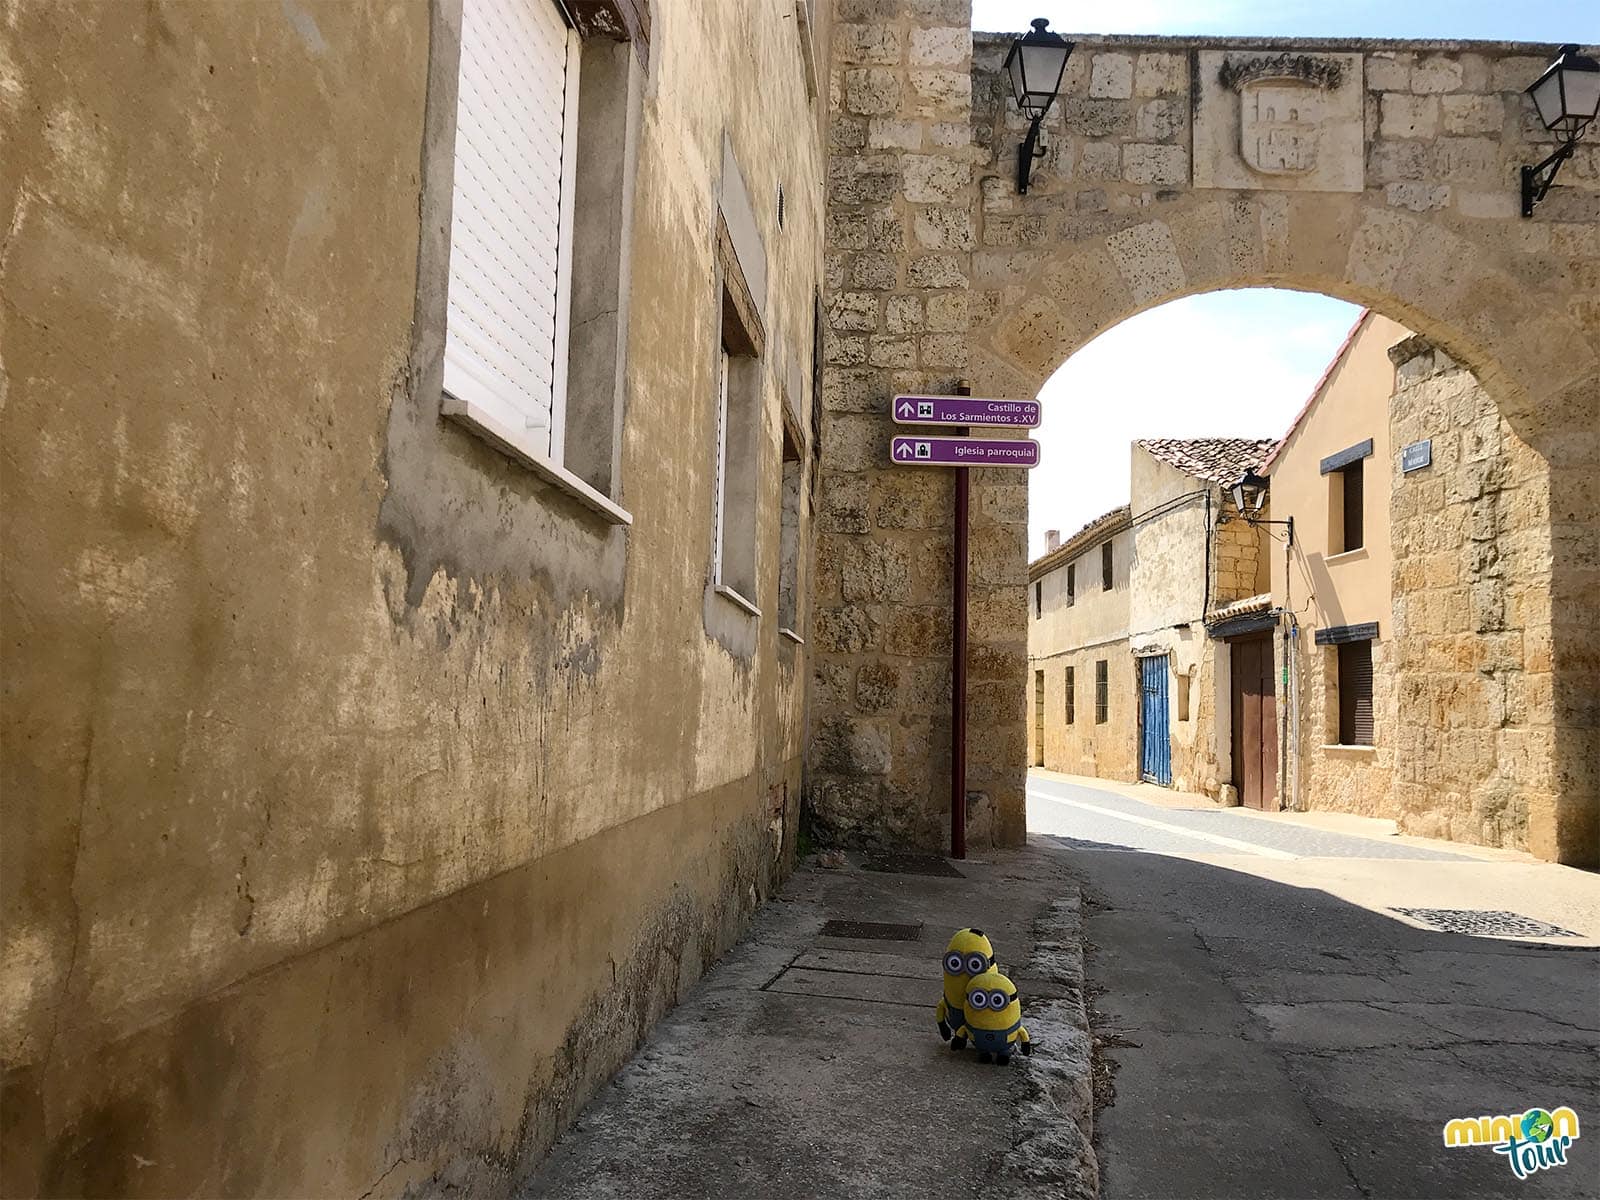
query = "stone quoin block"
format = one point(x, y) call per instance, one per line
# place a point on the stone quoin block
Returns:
point(939, 47)
point(1438, 73)
point(1409, 116)
point(1111, 77)
point(1161, 75)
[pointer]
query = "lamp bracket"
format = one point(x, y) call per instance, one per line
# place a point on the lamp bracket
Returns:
point(1032, 148)
point(1536, 181)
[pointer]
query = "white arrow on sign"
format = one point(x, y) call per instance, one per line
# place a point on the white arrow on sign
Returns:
point(902, 451)
point(907, 408)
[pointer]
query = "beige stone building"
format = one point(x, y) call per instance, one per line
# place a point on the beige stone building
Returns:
point(1333, 585)
point(1125, 681)
point(408, 426)
point(1411, 605)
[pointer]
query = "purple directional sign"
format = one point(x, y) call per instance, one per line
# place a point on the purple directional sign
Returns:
point(911, 451)
point(965, 410)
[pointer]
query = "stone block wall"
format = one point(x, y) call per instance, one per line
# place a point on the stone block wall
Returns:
point(1239, 555)
point(938, 270)
point(1474, 714)
point(1329, 776)
point(901, 210)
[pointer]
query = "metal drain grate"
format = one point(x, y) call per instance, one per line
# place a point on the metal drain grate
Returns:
point(1484, 922)
point(911, 864)
point(879, 930)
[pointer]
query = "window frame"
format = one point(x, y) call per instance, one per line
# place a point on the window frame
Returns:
point(1108, 570)
point(602, 104)
point(741, 379)
point(1102, 691)
point(791, 485)
point(1348, 672)
point(1072, 584)
point(1354, 471)
point(1072, 700)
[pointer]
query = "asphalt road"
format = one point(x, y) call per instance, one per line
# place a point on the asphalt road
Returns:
point(1276, 1033)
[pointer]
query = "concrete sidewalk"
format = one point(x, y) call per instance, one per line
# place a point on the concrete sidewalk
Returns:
point(807, 1063)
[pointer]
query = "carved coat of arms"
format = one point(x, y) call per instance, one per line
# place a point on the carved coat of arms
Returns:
point(1283, 120)
point(1279, 124)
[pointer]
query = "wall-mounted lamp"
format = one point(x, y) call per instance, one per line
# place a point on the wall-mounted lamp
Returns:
point(1036, 64)
point(1250, 497)
point(1567, 97)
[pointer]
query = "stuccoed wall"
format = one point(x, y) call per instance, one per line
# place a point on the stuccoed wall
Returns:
point(365, 800)
point(1094, 627)
point(1104, 750)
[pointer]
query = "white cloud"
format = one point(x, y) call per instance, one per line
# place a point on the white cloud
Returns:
point(1223, 364)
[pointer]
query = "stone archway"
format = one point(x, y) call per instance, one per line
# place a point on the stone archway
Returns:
point(939, 270)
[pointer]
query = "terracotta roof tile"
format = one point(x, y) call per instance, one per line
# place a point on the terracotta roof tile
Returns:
point(1218, 460)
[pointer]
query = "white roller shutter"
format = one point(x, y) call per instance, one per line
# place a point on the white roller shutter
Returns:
point(510, 239)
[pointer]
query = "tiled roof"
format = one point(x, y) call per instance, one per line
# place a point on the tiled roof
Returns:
point(1218, 460)
point(1097, 529)
point(1242, 608)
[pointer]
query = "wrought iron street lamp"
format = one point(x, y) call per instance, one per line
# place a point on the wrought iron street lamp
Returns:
point(1036, 64)
point(1567, 97)
point(1250, 497)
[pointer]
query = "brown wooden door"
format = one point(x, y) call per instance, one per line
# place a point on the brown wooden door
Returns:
point(1255, 722)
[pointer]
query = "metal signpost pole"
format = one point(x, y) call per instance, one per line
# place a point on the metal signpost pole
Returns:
point(961, 453)
point(958, 663)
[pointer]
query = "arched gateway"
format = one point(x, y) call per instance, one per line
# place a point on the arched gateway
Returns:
point(1384, 173)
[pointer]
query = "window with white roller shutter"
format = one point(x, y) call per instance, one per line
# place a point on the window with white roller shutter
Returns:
point(511, 224)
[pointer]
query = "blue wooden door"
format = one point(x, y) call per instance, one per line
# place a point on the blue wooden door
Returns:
point(1155, 730)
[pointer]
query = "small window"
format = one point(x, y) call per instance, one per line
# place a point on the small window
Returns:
point(1105, 567)
point(1347, 508)
point(1072, 706)
point(1038, 718)
point(1102, 692)
point(738, 419)
point(1038, 599)
point(789, 538)
point(738, 445)
point(1072, 584)
point(1355, 694)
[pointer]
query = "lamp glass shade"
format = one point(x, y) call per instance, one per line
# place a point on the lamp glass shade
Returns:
point(1036, 64)
point(1567, 95)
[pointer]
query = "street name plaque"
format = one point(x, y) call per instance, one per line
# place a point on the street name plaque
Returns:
point(965, 410)
point(911, 451)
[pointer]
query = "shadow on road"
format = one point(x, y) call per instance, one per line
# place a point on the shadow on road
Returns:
point(1277, 1041)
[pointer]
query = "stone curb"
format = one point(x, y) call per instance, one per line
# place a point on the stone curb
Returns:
point(1051, 1150)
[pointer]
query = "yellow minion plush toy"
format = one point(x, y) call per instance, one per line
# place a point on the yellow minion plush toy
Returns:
point(994, 1018)
point(969, 953)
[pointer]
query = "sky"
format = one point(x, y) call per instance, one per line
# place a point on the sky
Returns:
point(1232, 363)
point(1506, 20)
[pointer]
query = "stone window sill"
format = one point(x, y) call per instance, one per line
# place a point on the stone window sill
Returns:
point(1345, 556)
point(517, 444)
point(792, 636)
point(738, 601)
point(1347, 749)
